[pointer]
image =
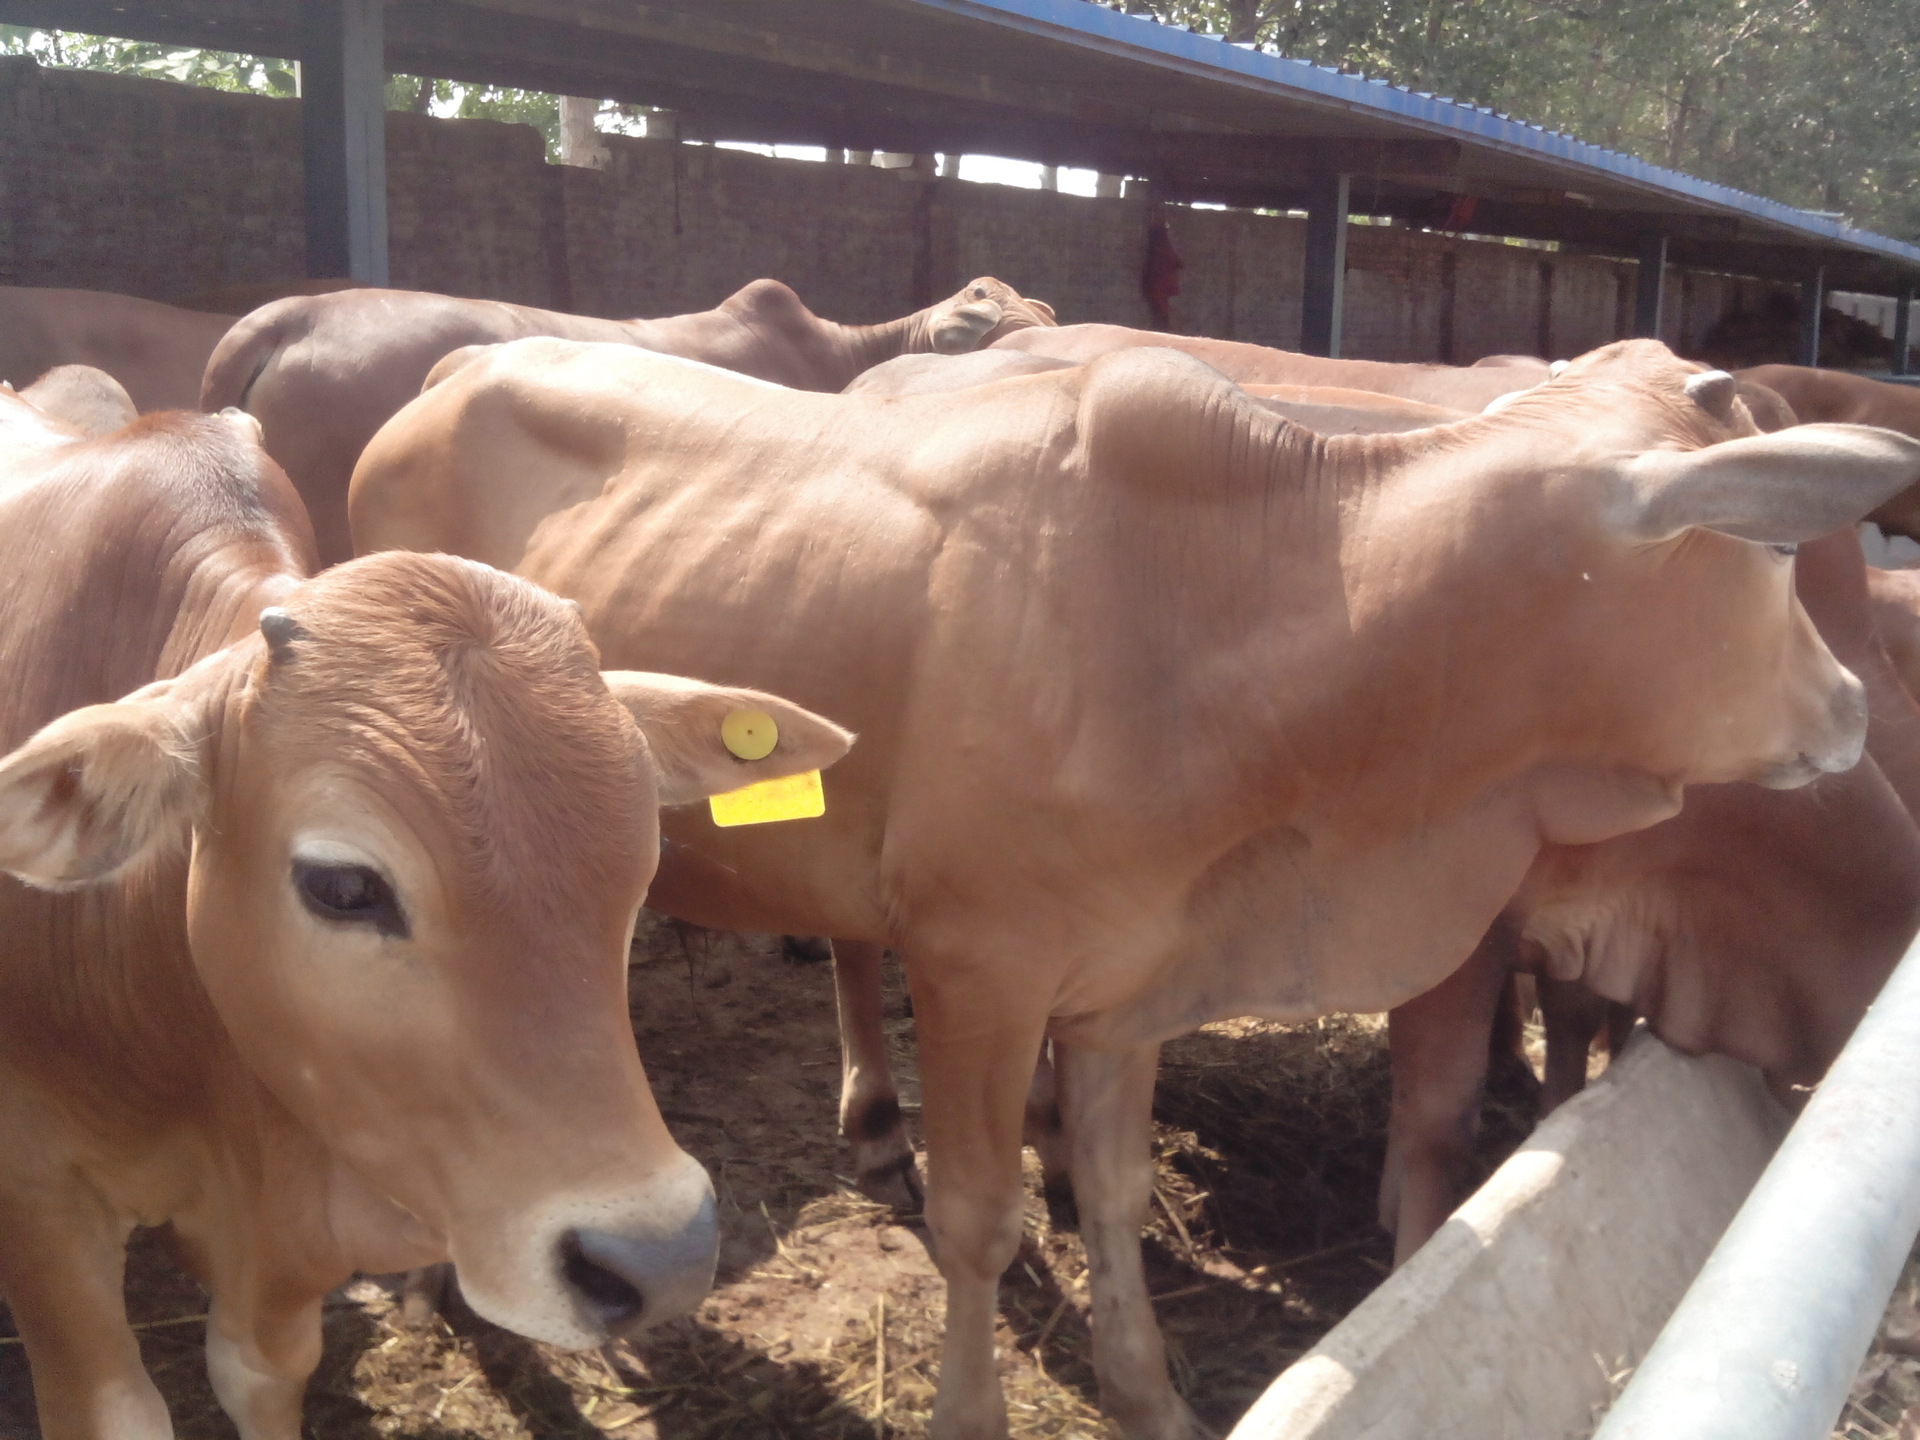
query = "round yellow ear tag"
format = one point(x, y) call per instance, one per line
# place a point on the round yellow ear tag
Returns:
point(749, 734)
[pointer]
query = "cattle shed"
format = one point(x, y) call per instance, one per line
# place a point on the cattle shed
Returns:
point(1060, 82)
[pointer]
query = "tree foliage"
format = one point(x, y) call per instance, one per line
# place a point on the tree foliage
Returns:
point(1813, 102)
point(214, 69)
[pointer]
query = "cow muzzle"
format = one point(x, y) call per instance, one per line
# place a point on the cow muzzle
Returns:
point(626, 1282)
point(1837, 745)
point(965, 327)
point(593, 1268)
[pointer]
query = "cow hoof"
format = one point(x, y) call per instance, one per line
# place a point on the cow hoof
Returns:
point(896, 1185)
point(424, 1295)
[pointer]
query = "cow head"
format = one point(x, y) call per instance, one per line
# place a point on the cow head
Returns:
point(1634, 535)
point(983, 311)
point(422, 822)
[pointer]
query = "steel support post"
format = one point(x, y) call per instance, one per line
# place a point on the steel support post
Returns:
point(1324, 284)
point(1813, 295)
point(343, 114)
point(1650, 288)
point(1902, 326)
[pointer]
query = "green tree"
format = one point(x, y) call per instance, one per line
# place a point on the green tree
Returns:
point(214, 69)
point(1808, 101)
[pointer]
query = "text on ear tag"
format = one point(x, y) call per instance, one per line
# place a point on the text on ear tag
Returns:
point(791, 797)
point(749, 734)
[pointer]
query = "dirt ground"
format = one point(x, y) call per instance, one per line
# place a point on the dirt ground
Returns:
point(827, 1311)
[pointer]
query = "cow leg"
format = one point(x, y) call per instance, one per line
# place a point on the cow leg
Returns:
point(263, 1322)
point(1571, 1015)
point(63, 1269)
point(1439, 1044)
point(1045, 1130)
point(870, 1119)
point(1107, 1100)
point(260, 1355)
point(425, 1293)
point(977, 1053)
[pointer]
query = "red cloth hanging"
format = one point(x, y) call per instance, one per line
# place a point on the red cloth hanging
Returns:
point(1160, 276)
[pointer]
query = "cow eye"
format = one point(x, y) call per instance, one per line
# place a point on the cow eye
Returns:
point(349, 894)
point(1788, 551)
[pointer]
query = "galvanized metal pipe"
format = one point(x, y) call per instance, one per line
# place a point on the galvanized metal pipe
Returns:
point(1767, 1341)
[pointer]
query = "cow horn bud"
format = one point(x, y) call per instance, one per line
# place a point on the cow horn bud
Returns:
point(281, 630)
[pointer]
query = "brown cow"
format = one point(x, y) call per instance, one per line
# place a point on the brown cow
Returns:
point(1170, 710)
point(1455, 387)
point(870, 1115)
point(323, 373)
point(374, 1014)
point(157, 351)
point(1756, 923)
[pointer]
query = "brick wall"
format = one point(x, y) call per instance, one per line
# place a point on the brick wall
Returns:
point(158, 189)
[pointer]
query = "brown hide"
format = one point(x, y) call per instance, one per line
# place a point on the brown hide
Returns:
point(157, 351)
point(245, 298)
point(1837, 397)
point(89, 400)
point(27, 433)
point(323, 373)
point(1467, 388)
point(1331, 410)
point(1325, 410)
point(1895, 597)
point(1756, 924)
point(936, 374)
point(1169, 709)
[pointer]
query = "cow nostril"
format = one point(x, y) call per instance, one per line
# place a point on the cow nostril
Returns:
point(616, 1302)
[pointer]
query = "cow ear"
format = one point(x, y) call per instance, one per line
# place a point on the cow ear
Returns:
point(1780, 489)
point(103, 789)
point(709, 739)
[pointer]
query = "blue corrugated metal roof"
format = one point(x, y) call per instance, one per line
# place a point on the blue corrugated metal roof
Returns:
point(1208, 57)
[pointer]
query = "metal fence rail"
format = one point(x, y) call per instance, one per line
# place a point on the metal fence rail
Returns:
point(1767, 1341)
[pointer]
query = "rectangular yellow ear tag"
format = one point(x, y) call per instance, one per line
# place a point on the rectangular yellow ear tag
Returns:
point(791, 797)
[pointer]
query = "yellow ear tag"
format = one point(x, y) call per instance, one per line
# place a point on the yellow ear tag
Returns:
point(749, 734)
point(791, 797)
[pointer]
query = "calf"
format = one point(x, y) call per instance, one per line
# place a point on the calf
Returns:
point(316, 952)
point(1756, 924)
point(1171, 710)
